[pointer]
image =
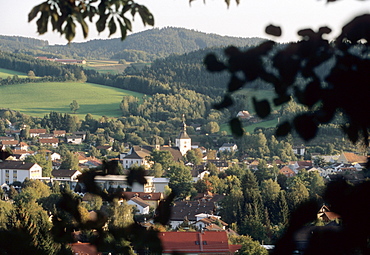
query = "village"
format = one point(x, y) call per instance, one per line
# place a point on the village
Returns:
point(199, 211)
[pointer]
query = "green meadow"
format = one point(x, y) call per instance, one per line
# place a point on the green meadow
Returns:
point(5, 73)
point(250, 128)
point(39, 99)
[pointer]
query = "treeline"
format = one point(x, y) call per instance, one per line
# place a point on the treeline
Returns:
point(42, 68)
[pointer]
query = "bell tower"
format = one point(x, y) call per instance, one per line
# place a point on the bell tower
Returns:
point(183, 141)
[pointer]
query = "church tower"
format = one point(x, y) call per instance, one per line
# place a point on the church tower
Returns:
point(183, 141)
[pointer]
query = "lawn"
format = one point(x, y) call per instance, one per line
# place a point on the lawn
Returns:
point(250, 128)
point(39, 99)
point(105, 66)
point(5, 73)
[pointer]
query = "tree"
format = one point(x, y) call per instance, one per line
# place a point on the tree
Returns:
point(42, 160)
point(70, 161)
point(31, 74)
point(249, 246)
point(165, 158)
point(74, 106)
point(181, 180)
point(212, 127)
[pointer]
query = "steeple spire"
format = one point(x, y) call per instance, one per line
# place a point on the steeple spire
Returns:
point(183, 123)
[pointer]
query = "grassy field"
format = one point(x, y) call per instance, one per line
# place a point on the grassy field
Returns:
point(105, 66)
point(250, 128)
point(5, 73)
point(38, 99)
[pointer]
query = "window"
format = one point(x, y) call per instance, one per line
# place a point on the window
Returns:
point(197, 243)
point(205, 242)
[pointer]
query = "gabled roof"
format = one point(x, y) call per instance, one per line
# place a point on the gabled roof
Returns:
point(189, 209)
point(21, 165)
point(14, 142)
point(59, 132)
point(64, 173)
point(352, 158)
point(49, 140)
point(153, 196)
point(37, 131)
point(211, 242)
point(286, 171)
point(139, 201)
point(214, 227)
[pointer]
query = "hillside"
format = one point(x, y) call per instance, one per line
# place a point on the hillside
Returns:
point(154, 42)
point(39, 99)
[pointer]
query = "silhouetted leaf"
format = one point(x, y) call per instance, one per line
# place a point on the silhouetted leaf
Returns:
point(112, 26)
point(212, 64)
point(236, 127)
point(224, 104)
point(273, 30)
point(283, 129)
point(235, 83)
point(164, 209)
point(262, 107)
point(136, 174)
point(306, 126)
point(281, 99)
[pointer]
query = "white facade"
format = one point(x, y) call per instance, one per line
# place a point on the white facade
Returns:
point(9, 175)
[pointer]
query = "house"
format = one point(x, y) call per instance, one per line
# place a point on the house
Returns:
point(188, 210)
point(139, 155)
point(141, 206)
point(208, 242)
point(59, 133)
point(299, 149)
point(244, 115)
point(9, 144)
point(326, 215)
point(12, 132)
point(84, 249)
point(36, 132)
point(22, 146)
point(351, 158)
point(151, 198)
point(73, 139)
point(46, 136)
point(65, 175)
point(81, 134)
point(205, 220)
point(104, 147)
point(55, 156)
point(115, 181)
point(287, 171)
point(221, 165)
point(6, 138)
point(21, 154)
point(231, 147)
point(159, 184)
point(52, 142)
point(12, 171)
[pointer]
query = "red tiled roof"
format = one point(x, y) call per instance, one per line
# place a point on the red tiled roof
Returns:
point(154, 196)
point(209, 242)
point(49, 140)
point(9, 142)
point(84, 249)
point(352, 158)
point(37, 131)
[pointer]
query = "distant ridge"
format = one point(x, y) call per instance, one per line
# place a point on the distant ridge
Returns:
point(159, 42)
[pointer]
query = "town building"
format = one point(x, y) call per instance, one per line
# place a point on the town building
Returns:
point(12, 171)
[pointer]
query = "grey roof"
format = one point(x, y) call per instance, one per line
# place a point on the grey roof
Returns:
point(183, 135)
point(16, 165)
point(190, 209)
point(63, 173)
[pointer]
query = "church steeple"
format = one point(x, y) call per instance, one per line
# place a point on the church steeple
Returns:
point(183, 142)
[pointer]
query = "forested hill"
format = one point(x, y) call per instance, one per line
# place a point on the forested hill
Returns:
point(155, 42)
point(16, 43)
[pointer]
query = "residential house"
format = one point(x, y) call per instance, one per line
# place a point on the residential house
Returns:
point(66, 176)
point(104, 147)
point(287, 171)
point(52, 142)
point(208, 242)
point(81, 134)
point(36, 132)
point(299, 149)
point(151, 198)
point(221, 165)
point(351, 158)
point(115, 181)
point(204, 220)
point(6, 138)
point(9, 144)
point(55, 156)
point(12, 132)
point(142, 207)
point(73, 139)
point(188, 210)
point(139, 155)
point(59, 133)
point(12, 171)
point(326, 215)
point(244, 115)
point(231, 147)
point(22, 146)
point(46, 136)
point(21, 155)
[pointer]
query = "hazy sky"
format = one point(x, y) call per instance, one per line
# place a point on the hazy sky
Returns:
point(249, 19)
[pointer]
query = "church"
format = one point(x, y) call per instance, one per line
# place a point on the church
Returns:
point(138, 155)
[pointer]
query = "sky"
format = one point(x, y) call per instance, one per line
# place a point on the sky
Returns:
point(248, 19)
